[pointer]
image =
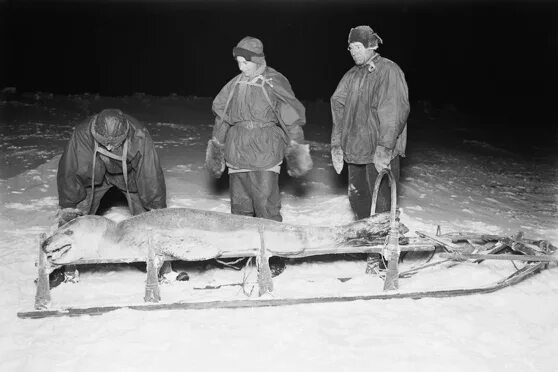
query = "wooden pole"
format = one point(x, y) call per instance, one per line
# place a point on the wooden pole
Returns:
point(152, 293)
point(42, 295)
point(391, 251)
point(265, 283)
point(505, 257)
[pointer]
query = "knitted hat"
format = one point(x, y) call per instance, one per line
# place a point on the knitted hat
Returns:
point(251, 49)
point(365, 35)
point(110, 127)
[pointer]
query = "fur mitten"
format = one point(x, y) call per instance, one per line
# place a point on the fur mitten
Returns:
point(215, 158)
point(382, 158)
point(337, 158)
point(299, 161)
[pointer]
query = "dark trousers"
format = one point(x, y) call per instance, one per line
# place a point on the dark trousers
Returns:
point(362, 178)
point(135, 205)
point(256, 194)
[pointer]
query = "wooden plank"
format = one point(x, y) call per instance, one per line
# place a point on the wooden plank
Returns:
point(411, 247)
point(42, 295)
point(507, 257)
point(440, 240)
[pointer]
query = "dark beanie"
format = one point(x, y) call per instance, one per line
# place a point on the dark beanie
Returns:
point(365, 35)
point(251, 49)
point(110, 127)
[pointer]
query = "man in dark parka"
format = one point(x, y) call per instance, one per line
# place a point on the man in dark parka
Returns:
point(258, 122)
point(369, 108)
point(93, 162)
point(109, 149)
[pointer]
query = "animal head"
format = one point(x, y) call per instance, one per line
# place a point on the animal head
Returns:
point(76, 239)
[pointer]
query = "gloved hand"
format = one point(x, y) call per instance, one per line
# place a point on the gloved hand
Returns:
point(337, 158)
point(299, 161)
point(65, 215)
point(215, 158)
point(382, 158)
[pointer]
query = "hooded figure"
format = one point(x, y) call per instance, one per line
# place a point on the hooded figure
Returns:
point(110, 149)
point(258, 122)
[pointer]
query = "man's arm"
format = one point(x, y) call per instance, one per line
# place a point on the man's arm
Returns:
point(219, 108)
point(150, 178)
point(393, 107)
point(393, 110)
point(71, 189)
point(338, 109)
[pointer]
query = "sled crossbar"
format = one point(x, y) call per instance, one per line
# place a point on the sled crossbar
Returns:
point(414, 245)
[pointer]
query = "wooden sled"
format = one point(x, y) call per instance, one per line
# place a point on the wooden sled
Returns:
point(391, 250)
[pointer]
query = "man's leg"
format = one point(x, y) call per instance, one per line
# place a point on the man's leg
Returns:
point(265, 195)
point(267, 204)
point(135, 204)
point(90, 206)
point(241, 202)
point(360, 197)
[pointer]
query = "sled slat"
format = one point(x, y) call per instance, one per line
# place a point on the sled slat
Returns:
point(42, 296)
point(507, 257)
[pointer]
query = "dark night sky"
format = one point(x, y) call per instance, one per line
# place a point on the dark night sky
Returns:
point(496, 56)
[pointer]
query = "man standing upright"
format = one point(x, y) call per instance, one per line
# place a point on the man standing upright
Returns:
point(370, 108)
point(258, 122)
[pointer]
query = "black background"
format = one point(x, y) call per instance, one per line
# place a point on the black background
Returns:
point(494, 57)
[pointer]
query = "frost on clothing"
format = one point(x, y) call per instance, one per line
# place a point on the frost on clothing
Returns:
point(145, 176)
point(370, 108)
point(248, 126)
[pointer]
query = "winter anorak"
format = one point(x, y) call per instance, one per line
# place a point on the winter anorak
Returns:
point(249, 126)
point(370, 108)
point(145, 175)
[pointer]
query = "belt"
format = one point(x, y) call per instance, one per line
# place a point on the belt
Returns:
point(250, 124)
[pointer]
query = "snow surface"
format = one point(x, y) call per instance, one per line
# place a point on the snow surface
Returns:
point(460, 183)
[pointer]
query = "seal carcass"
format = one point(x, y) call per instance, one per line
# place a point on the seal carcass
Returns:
point(194, 235)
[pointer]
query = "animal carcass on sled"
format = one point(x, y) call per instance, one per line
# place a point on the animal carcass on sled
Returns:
point(193, 235)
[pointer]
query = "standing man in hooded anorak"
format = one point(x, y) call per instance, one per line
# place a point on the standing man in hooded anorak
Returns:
point(258, 122)
point(369, 108)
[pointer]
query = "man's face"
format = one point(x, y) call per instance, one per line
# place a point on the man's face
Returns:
point(360, 53)
point(247, 67)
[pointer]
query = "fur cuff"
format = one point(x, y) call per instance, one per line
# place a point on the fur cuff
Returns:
point(65, 215)
point(299, 161)
point(215, 158)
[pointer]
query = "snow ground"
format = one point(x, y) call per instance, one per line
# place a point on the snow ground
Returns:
point(458, 181)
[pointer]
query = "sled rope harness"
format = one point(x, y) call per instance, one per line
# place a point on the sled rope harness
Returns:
point(109, 154)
